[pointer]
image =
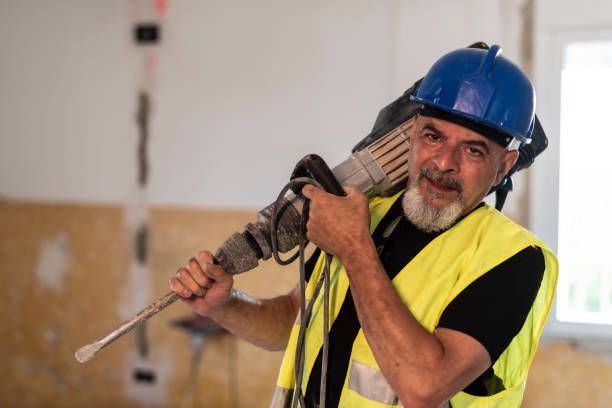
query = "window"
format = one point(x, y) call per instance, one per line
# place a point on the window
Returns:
point(570, 200)
point(584, 291)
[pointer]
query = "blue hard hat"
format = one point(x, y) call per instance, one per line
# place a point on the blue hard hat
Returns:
point(484, 87)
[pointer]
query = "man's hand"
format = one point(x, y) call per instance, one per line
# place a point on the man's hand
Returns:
point(203, 285)
point(338, 225)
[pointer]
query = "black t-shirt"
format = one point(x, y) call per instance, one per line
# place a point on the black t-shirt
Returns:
point(492, 309)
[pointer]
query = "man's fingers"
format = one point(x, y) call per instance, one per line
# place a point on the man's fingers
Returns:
point(198, 274)
point(205, 257)
point(312, 192)
point(209, 268)
point(189, 282)
point(309, 191)
point(176, 285)
point(216, 272)
point(351, 190)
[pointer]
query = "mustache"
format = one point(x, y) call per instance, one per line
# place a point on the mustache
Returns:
point(442, 179)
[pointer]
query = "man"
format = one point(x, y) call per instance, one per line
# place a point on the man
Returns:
point(436, 297)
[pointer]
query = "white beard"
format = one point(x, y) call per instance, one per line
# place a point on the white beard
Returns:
point(427, 217)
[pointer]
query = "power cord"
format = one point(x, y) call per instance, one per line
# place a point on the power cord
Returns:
point(305, 311)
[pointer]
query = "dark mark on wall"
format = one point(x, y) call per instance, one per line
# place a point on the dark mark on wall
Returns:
point(141, 244)
point(142, 119)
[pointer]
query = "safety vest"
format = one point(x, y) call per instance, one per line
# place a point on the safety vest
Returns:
point(427, 284)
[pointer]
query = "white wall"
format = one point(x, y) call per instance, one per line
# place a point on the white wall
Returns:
point(66, 100)
point(243, 90)
point(557, 22)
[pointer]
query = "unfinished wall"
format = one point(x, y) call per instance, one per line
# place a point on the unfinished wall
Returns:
point(62, 279)
point(564, 375)
point(63, 274)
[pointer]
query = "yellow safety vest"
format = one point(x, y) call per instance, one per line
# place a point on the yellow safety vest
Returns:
point(427, 284)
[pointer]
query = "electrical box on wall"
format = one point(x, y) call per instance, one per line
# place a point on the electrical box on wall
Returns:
point(147, 33)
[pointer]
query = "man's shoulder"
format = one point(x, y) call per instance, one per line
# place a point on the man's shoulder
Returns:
point(485, 239)
point(486, 220)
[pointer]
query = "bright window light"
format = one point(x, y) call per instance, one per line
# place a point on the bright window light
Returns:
point(584, 292)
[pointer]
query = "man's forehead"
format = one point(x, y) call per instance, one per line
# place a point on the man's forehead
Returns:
point(448, 129)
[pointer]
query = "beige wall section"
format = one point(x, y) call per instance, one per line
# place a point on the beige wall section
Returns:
point(564, 375)
point(50, 311)
point(63, 271)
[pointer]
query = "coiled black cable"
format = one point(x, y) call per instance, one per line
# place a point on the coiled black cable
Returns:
point(305, 311)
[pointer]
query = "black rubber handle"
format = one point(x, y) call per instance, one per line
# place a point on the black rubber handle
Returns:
point(321, 172)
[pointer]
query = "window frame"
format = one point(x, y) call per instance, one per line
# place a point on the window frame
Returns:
point(544, 176)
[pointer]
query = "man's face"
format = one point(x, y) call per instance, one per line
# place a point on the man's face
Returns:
point(451, 170)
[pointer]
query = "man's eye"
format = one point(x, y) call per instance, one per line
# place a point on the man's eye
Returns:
point(476, 152)
point(432, 137)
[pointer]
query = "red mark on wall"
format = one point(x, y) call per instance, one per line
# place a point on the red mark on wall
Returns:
point(152, 62)
point(161, 6)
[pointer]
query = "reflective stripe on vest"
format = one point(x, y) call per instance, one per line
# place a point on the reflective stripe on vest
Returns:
point(371, 384)
point(427, 284)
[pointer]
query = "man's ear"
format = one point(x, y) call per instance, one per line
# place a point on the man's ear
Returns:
point(508, 160)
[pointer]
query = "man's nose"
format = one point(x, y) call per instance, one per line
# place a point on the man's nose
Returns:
point(447, 159)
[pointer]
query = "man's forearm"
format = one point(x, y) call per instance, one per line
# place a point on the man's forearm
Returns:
point(263, 322)
point(390, 329)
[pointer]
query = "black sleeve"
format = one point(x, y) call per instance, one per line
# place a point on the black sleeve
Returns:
point(493, 308)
